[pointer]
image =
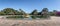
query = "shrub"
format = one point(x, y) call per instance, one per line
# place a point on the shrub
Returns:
point(16, 17)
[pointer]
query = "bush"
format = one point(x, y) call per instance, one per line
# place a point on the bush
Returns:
point(15, 17)
point(58, 13)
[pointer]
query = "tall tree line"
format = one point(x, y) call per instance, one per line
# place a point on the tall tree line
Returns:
point(11, 11)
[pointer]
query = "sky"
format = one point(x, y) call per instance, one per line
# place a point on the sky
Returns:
point(29, 5)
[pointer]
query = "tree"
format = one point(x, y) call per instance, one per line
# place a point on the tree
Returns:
point(45, 13)
point(9, 11)
point(39, 13)
point(34, 12)
point(2, 13)
point(21, 12)
point(54, 12)
point(51, 13)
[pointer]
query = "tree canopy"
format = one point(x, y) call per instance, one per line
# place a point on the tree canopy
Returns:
point(11, 11)
point(34, 12)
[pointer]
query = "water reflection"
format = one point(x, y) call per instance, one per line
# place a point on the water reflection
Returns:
point(24, 18)
point(29, 18)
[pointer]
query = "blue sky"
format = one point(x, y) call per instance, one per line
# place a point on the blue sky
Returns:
point(30, 5)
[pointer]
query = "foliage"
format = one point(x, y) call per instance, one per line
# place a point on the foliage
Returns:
point(21, 12)
point(15, 17)
point(11, 11)
point(44, 12)
point(34, 12)
point(8, 10)
point(2, 13)
point(51, 13)
point(33, 17)
point(39, 13)
point(58, 13)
